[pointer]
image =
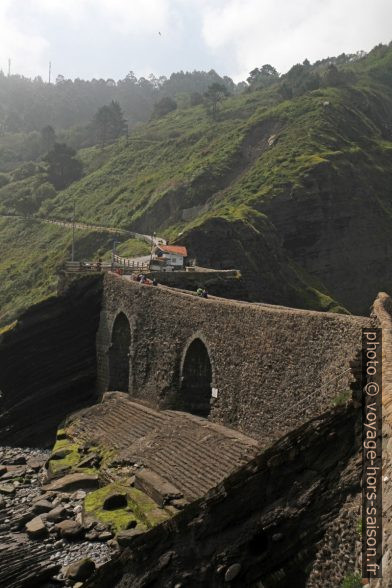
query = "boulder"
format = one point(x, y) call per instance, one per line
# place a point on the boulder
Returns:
point(232, 572)
point(36, 528)
point(21, 520)
point(14, 472)
point(35, 464)
point(125, 538)
point(17, 460)
point(7, 489)
point(159, 489)
point(3, 470)
point(115, 500)
point(56, 514)
point(91, 535)
point(105, 536)
point(80, 570)
point(72, 482)
point(69, 529)
point(79, 495)
point(42, 506)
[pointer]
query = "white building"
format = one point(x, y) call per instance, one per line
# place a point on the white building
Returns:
point(169, 257)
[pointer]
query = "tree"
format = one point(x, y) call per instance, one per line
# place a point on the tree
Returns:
point(48, 138)
point(333, 76)
point(109, 123)
point(25, 205)
point(119, 124)
point(262, 77)
point(195, 99)
point(215, 94)
point(164, 106)
point(299, 79)
point(63, 167)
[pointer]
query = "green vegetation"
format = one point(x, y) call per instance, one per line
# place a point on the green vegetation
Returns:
point(352, 581)
point(32, 253)
point(74, 453)
point(63, 167)
point(267, 153)
point(130, 248)
point(70, 461)
point(342, 398)
point(119, 518)
point(8, 328)
point(140, 508)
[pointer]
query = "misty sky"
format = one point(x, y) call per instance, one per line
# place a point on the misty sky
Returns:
point(108, 38)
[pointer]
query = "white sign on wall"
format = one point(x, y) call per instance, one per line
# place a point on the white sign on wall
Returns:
point(214, 392)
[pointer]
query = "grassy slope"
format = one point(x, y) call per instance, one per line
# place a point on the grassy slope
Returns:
point(185, 160)
point(31, 254)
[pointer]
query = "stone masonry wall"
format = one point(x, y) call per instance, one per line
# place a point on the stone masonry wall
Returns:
point(273, 367)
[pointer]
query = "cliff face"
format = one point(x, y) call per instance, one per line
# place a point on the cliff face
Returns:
point(48, 364)
point(267, 271)
point(325, 240)
point(267, 522)
point(336, 226)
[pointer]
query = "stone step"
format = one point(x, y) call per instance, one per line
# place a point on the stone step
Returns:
point(188, 452)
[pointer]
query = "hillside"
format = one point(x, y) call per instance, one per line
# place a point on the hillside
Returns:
point(295, 192)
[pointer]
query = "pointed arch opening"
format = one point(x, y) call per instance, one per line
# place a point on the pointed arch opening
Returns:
point(119, 354)
point(196, 380)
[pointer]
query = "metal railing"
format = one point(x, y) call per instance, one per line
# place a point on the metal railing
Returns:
point(88, 267)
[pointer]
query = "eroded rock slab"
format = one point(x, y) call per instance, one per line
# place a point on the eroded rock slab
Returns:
point(72, 482)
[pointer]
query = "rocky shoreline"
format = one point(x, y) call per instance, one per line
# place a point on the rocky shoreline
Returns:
point(44, 539)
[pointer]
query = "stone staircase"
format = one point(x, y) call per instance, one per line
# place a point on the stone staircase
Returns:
point(191, 453)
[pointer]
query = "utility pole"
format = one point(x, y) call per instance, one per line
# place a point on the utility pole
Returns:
point(50, 71)
point(114, 250)
point(152, 245)
point(73, 232)
point(9, 67)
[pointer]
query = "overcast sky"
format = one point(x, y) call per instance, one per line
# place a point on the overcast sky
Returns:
point(108, 38)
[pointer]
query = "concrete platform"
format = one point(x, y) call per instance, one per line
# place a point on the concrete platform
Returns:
point(187, 451)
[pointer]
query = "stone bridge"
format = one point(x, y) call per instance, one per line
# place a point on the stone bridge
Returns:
point(258, 368)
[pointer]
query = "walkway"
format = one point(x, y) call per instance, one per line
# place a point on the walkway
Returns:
point(85, 226)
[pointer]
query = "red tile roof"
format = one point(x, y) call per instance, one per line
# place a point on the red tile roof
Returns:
point(174, 249)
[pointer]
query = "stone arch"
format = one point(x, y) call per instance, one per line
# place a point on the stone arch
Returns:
point(196, 378)
point(119, 354)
